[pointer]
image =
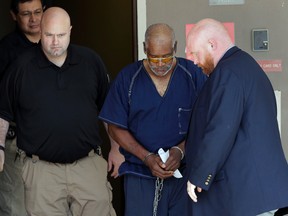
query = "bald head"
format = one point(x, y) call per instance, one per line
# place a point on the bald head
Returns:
point(210, 28)
point(55, 15)
point(208, 38)
point(159, 33)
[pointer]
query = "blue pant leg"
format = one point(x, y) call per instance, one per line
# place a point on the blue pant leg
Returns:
point(139, 195)
point(174, 200)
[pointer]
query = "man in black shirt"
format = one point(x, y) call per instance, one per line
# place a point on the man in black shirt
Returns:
point(54, 92)
point(27, 15)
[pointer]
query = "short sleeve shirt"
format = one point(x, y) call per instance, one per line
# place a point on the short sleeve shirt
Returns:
point(55, 108)
point(155, 121)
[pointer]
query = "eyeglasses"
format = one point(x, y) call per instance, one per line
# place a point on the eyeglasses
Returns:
point(163, 60)
point(36, 13)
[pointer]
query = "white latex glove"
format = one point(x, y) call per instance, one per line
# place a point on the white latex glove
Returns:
point(191, 191)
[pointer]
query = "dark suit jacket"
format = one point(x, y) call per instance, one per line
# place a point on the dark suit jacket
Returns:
point(233, 149)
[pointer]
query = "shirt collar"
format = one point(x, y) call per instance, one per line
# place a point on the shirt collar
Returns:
point(72, 57)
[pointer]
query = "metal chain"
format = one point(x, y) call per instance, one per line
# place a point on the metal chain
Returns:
point(157, 194)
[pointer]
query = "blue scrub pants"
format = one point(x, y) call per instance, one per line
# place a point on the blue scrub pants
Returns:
point(139, 196)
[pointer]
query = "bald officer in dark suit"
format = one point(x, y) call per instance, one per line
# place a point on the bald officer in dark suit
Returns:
point(234, 154)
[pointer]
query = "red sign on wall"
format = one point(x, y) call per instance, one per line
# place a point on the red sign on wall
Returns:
point(271, 65)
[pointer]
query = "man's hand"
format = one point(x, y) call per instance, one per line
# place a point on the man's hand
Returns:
point(174, 160)
point(157, 167)
point(2, 159)
point(191, 191)
point(115, 159)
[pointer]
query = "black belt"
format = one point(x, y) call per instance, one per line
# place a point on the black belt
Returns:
point(97, 151)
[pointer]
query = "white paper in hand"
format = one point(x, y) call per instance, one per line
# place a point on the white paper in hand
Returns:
point(164, 156)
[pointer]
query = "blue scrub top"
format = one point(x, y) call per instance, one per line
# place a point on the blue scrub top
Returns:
point(155, 121)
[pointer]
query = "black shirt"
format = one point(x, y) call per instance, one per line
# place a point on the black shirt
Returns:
point(55, 108)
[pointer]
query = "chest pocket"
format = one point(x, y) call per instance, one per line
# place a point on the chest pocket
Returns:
point(183, 119)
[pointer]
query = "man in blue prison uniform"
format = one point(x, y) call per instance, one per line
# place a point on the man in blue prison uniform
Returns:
point(147, 108)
